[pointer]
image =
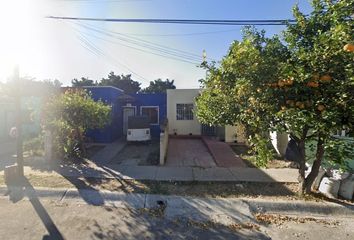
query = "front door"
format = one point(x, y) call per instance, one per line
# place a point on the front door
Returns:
point(127, 112)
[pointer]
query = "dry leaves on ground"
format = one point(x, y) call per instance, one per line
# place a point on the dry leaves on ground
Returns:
point(281, 219)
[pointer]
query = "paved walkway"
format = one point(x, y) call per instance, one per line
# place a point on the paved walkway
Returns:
point(187, 152)
point(186, 174)
point(109, 152)
point(223, 153)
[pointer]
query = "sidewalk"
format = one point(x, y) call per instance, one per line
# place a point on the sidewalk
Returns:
point(186, 174)
point(64, 215)
point(200, 209)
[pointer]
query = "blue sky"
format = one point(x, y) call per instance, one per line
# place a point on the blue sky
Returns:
point(51, 49)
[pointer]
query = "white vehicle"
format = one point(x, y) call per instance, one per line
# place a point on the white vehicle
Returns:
point(138, 129)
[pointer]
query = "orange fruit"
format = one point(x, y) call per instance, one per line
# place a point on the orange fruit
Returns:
point(313, 84)
point(321, 107)
point(308, 103)
point(316, 76)
point(289, 82)
point(300, 105)
point(348, 47)
point(290, 102)
point(281, 83)
point(326, 78)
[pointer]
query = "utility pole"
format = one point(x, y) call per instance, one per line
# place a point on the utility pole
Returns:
point(18, 94)
point(205, 61)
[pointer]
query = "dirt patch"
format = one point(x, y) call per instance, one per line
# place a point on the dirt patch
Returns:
point(93, 149)
point(250, 161)
point(215, 190)
point(152, 160)
point(49, 181)
point(144, 153)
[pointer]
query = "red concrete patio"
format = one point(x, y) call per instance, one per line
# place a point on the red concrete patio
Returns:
point(223, 153)
point(201, 152)
point(188, 152)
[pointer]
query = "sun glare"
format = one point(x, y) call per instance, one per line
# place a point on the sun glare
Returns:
point(18, 26)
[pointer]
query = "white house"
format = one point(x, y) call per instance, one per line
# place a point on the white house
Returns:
point(182, 120)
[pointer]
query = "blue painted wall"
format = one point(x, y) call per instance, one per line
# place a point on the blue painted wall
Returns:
point(114, 130)
point(152, 99)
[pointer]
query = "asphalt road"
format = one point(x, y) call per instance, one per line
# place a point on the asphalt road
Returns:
point(49, 219)
point(52, 220)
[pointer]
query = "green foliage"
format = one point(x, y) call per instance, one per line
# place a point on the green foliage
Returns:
point(302, 84)
point(69, 116)
point(260, 149)
point(159, 86)
point(35, 146)
point(83, 82)
point(339, 153)
point(123, 82)
point(31, 87)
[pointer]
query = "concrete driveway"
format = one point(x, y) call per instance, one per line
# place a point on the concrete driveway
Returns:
point(188, 152)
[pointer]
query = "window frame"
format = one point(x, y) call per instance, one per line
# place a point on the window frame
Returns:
point(184, 113)
point(158, 113)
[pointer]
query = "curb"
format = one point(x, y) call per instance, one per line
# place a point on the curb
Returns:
point(93, 197)
point(298, 207)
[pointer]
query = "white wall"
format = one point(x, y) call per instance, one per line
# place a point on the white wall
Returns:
point(182, 127)
point(230, 133)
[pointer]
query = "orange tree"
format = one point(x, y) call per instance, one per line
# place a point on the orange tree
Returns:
point(303, 85)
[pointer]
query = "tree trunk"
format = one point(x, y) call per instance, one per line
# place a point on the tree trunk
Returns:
point(302, 184)
point(302, 160)
point(316, 165)
point(81, 142)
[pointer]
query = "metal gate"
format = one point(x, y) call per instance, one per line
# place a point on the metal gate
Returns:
point(208, 130)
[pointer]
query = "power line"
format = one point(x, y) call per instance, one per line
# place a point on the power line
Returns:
point(145, 43)
point(181, 34)
point(183, 21)
point(163, 51)
point(88, 45)
point(100, 1)
point(150, 52)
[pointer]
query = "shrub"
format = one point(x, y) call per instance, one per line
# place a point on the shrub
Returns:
point(69, 116)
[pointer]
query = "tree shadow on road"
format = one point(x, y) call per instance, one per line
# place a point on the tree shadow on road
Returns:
point(139, 224)
point(26, 189)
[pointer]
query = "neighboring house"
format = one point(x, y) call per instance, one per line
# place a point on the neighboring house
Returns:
point(7, 117)
point(182, 119)
point(31, 106)
point(177, 105)
point(123, 106)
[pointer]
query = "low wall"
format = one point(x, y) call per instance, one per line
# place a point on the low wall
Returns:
point(164, 145)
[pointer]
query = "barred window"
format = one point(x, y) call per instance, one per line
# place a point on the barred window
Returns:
point(184, 111)
point(152, 113)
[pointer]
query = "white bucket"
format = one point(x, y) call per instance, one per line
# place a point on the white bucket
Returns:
point(329, 187)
